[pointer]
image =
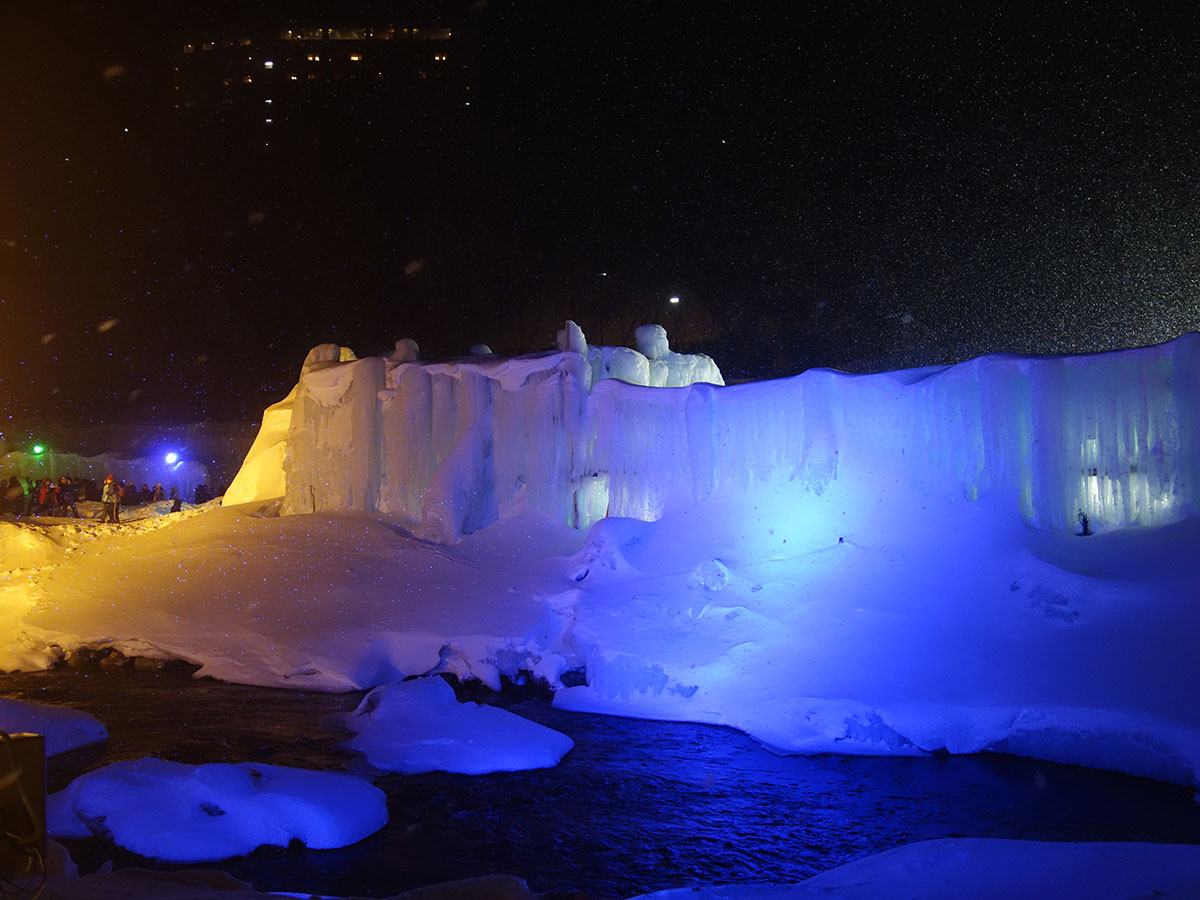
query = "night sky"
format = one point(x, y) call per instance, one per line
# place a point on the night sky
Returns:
point(861, 186)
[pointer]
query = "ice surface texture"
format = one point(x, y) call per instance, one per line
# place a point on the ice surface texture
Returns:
point(583, 433)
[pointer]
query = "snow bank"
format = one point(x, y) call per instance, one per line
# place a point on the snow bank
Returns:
point(63, 728)
point(418, 726)
point(181, 813)
point(988, 869)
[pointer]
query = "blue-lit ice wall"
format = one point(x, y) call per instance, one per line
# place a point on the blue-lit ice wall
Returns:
point(448, 448)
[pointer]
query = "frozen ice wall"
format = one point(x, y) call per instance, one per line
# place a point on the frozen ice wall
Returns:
point(448, 447)
point(587, 432)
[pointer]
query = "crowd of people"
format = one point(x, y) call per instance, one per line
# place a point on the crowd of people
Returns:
point(48, 497)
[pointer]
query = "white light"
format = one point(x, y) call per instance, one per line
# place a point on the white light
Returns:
point(673, 300)
point(269, 64)
point(171, 458)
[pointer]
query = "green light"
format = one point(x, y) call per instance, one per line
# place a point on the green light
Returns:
point(38, 449)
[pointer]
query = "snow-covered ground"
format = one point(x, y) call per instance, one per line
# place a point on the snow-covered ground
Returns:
point(949, 626)
point(854, 613)
point(922, 627)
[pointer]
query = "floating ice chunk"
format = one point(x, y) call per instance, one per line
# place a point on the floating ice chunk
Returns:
point(64, 729)
point(418, 726)
point(181, 813)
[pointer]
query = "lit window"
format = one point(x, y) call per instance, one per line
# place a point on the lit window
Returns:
point(268, 101)
point(294, 77)
point(440, 57)
point(245, 42)
point(355, 57)
point(247, 79)
point(269, 64)
point(301, 34)
point(313, 57)
point(269, 121)
point(189, 48)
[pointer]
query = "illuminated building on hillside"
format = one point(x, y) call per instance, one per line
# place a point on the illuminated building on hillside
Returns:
point(270, 72)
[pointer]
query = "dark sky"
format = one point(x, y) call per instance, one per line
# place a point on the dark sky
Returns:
point(861, 186)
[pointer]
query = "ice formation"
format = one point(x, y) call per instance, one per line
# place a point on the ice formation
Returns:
point(181, 813)
point(587, 432)
point(875, 564)
point(418, 726)
point(450, 447)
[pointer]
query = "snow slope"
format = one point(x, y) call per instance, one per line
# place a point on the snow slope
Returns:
point(951, 626)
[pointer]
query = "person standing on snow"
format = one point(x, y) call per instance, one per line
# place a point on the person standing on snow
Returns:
point(110, 496)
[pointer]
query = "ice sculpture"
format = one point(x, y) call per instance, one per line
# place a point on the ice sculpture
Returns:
point(588, 432)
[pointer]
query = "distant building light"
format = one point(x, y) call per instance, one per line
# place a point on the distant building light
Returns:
point(247, 79)
point(355, 57)
point(313, 57)
point(673, 300)
point(268, 100)
point(269, 64)
point(294, 77)
point(269, 121)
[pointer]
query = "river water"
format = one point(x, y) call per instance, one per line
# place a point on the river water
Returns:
point(636, 806)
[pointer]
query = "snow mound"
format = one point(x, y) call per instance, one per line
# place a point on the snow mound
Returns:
point(181, 813)
point(23, 546)
point(418, 726)
point(64, 729)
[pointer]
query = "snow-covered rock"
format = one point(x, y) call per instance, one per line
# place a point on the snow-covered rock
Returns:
point(182, 813)
point(418, 726)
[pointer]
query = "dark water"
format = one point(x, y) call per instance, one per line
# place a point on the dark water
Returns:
point(636, 806)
